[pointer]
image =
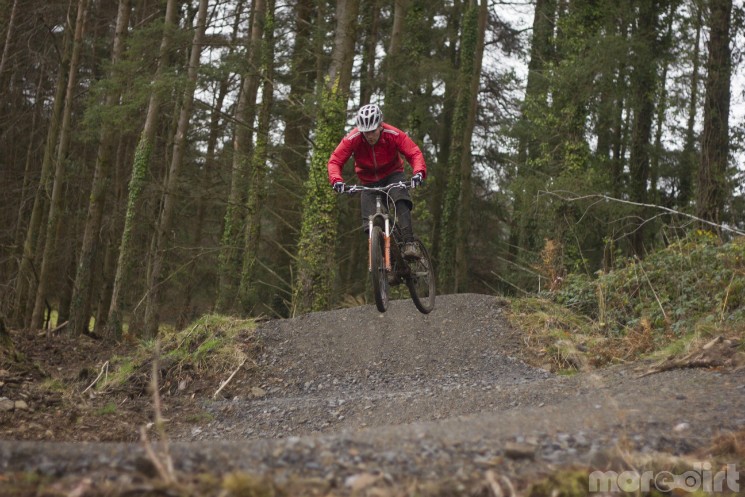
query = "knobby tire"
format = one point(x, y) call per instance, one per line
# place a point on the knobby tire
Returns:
point(378, 272)
point(421, 283)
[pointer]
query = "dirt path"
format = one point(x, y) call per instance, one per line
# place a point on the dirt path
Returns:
point(352, 394)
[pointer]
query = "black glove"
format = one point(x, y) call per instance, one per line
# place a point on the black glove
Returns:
point(417, 180)
point(339, 187)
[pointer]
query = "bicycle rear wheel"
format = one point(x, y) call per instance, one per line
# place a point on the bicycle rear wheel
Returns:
point(378, 272)
point(421, 282)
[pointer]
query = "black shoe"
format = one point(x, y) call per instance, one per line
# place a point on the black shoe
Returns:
point(411, 251)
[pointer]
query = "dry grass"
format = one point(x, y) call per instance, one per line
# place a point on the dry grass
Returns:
point(727, 444)
point(561, 341)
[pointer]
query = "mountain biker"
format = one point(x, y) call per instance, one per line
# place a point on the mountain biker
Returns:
point(378, 148)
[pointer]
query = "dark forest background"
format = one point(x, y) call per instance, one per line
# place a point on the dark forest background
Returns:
point(160, 159)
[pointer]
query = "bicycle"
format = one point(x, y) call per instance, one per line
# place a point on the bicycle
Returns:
point(386, 264)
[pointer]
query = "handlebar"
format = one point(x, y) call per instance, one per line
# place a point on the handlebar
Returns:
point(352, 189)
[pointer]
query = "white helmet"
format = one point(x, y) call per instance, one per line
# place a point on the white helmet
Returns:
point(369, 118)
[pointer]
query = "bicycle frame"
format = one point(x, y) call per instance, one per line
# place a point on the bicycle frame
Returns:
point(384, 217)
point(386, 263)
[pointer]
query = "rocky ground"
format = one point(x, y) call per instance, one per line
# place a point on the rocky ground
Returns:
point(356, 402)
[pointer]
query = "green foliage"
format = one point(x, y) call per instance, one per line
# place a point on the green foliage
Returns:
point(316, 247)
point(132, 78)
point(109, 408)
point(123, 369)
point(246, 485)
point(53, 385)
point(229, 259)
point(534, 314)
point(139, 172)
point(692, 282)
point(568, 483)
point(214, 343)
point(554, 333)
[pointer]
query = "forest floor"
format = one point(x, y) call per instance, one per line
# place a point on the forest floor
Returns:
point(354, 402)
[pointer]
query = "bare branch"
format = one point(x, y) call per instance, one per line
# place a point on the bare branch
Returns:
point(571, 197)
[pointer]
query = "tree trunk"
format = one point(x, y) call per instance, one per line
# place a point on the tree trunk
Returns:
point(620, 133)
point(257, 194)
point(28, 171)
point(395, 61)
point(609, 85)
point(643, 78)
point(342, 55)
point(8, 41)
point(534, 104)
point(690, 153)
point(81, 299)
point(111, 237)
point(438, 176)
point(536, 89)
point(317, 244)
point(140, 167)
point(56, 204)
point(230, 255)
point(662, 105)
point(292, 171)
point(210, 164)
point(460, 150)
point(28, 273)
point(712, 183)
point(156, 282)
point(367, 73)
point(466, 166)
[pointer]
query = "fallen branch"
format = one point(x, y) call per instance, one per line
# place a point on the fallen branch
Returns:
point(664, 314)
point(167, 471)
point(496, 490)
point(508, 485)
point(104, 368)
point(224, 383)
point(719, 352)
point(164, 473)
point(54, 330)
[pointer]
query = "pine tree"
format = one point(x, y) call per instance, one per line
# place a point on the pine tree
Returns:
point(162, 230)
point(81, 299)
point(56, 202)
point(140, 167)
point(712, 173)
point(317, 245)
point(248, 294)
point(459, 160)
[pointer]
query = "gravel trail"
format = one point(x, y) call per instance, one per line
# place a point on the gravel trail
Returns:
point(402, 395)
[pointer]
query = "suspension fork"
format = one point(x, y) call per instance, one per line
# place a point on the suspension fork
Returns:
point(387, 241)
point(387, 244)
point(369, 243)
point(386, 236)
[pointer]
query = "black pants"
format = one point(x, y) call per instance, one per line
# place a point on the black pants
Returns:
point(400, 198)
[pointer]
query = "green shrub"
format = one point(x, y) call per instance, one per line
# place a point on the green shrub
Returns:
point(697, 278)
point(212, 343)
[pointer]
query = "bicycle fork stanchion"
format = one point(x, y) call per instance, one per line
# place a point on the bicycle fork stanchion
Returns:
point(387, 244)
point(369, 246)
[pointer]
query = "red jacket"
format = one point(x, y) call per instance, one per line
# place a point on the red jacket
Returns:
point(374, 162)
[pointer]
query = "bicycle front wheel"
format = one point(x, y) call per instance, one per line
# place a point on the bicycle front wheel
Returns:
point(378, 272)
point(421, 282)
